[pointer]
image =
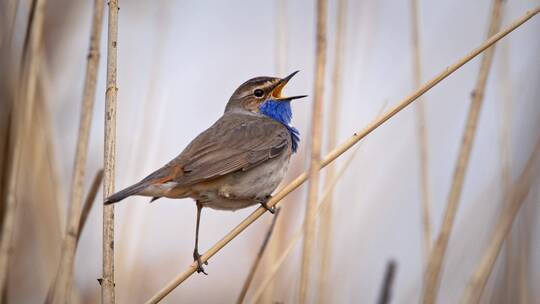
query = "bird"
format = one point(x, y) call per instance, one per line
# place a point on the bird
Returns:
point(237, 162)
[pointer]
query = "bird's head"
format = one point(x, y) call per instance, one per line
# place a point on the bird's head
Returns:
point(254, 93)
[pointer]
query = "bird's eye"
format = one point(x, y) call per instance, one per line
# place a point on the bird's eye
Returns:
point(258, 93)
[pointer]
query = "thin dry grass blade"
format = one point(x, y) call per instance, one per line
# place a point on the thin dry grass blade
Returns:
point(338, 151)
point(64, 278)
point(24, 108)
point(513, 202)
point(258, 258)
point(325, 229)
point(436, 259)
point(385, 294)
point(316, 142)
point(107, 281)
point(422, 132)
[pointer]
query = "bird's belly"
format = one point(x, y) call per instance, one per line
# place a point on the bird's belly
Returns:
point(242, 189)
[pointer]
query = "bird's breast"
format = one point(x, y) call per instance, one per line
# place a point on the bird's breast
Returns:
point(245, 188)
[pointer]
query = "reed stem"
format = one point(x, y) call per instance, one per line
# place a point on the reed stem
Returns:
point(316, 143)
point(436, 259)
point(64, 278)
point(333, 125)
point(107, 281)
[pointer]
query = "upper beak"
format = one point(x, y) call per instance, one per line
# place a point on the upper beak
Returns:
point(276, 93)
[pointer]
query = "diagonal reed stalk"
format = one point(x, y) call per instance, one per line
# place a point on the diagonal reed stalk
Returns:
point(258, 259)
point(385, 295)
point(333, 124)
point(64, 278)
point(20, 128)
point(339, 150)
point(107, 281)
point(513, 202)
point(89, 201)
point(422, 132)
point(315, 159)
point(436, 258)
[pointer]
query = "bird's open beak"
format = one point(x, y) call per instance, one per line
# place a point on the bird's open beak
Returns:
point(276, 93)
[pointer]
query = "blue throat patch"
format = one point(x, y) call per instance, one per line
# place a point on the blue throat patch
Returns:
point(281, 112)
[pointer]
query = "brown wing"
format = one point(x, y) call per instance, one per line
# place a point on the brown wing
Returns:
point(235, 142)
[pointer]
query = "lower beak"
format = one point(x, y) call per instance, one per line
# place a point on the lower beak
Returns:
point(276, 93)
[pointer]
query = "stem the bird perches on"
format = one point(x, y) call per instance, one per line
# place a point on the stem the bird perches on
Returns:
point(333, 124)
point(436, 258)
point(338, 151)
point(20, 128)
point(64, 277)
point(316, 142)
point(258, 258)
point(107, 281)
point(422, 132)
point(512, 204)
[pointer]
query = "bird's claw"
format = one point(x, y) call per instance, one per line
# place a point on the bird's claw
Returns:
point(197, 258)
point(269, 209)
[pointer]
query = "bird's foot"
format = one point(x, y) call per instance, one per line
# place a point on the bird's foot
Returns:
point(264, 203)
point(197, 258)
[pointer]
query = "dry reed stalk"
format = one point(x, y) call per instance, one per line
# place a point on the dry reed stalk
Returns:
point(422, 131)
point(281, 69)
point(89, 201)
point(506, 173)
point(513, 202)
point(23, 110)
point(258, 258)
point(436, 259)
point(315, 158)
point(64, 280)
point(323, 204)
point(107, 281)
point(385, 294)
point(325, 229)
point(339, 150)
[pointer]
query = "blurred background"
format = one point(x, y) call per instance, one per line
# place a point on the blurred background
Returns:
point(179, 62)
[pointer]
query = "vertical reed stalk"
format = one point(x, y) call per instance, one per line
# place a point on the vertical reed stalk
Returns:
point(333, 124)
point(506, 159)
point(258, 258)
point(316, 141)
point(107, 282)
point(436, 259)
point(513, 202)
point(23, 111)
point(422, 131)
point(281, 69)
point(63, 282)
point(339, 150)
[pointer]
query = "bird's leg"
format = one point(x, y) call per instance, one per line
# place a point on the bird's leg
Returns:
point(196, 255)
point(265, 205)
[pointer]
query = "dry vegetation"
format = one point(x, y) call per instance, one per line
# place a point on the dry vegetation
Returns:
point(32, 197)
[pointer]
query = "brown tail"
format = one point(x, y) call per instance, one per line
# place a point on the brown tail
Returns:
point(129, 191)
